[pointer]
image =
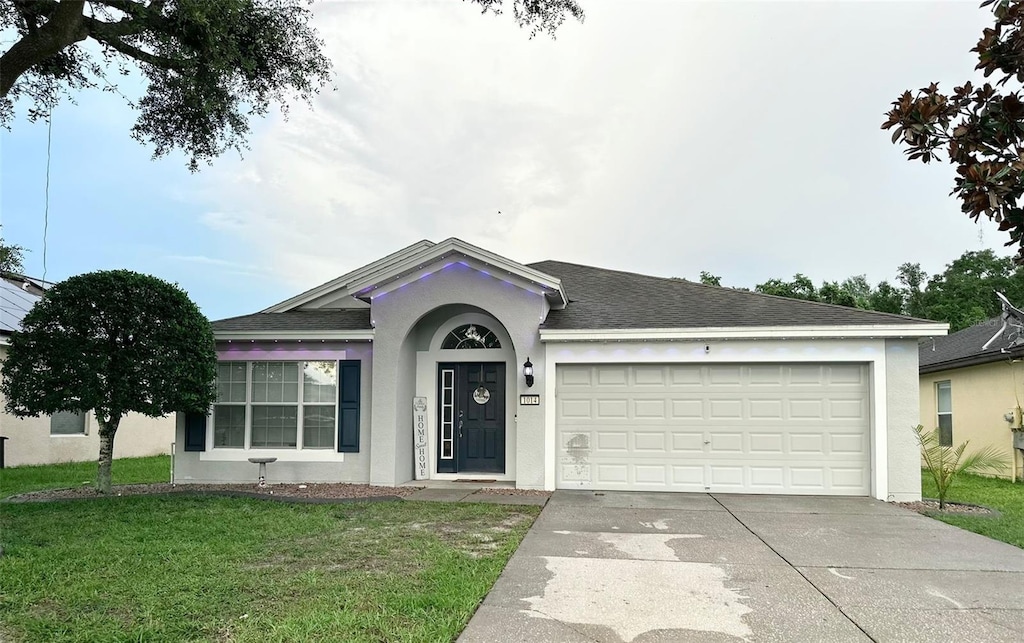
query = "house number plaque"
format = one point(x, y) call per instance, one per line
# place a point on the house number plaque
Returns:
point(529, 400)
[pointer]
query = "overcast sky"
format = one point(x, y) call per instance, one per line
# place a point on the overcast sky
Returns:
point(657, 137)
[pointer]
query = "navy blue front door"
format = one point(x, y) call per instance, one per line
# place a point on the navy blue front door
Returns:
point(471, 417)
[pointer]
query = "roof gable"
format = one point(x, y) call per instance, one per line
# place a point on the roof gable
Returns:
point(380, 275)
point(337, 288)
point(451, 251)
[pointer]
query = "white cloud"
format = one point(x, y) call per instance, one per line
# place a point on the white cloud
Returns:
point(657, 137)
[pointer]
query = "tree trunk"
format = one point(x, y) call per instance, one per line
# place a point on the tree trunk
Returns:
point(107, 430)
point(65, 27)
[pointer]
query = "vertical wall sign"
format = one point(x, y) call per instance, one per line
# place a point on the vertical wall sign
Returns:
point(419, 432)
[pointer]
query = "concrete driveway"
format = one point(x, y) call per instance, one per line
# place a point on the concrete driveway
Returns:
point(677, 567)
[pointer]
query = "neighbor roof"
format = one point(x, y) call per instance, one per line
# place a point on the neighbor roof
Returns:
point(963, 348)
point(612, 299)
point(17, 296)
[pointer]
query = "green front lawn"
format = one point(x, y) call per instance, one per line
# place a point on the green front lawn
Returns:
point(15, 480)
point(1005, 496)
point(190, 568)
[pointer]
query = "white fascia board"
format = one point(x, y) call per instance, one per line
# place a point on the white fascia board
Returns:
point(289, 335)
point(342, 281)
point(382, 278)
point(757, 332)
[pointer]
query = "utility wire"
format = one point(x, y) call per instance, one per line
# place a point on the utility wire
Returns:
point(46, 195)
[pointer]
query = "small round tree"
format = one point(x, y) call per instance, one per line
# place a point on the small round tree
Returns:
point(112, 342)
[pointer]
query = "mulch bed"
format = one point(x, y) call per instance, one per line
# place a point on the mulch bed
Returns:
point(295, 492)
point(930, 506)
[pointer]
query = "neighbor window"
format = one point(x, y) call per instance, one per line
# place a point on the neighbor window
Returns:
point(262, 405)
point(66, 423)
point(944, 406)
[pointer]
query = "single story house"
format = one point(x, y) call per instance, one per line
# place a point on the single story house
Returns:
point(64, 437)
point(973, 393)
point(444, 361)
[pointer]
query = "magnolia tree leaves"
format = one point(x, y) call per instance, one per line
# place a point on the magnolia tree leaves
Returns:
point(978, 129)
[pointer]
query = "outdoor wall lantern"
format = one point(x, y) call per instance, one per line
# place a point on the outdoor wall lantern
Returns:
point(528, 372)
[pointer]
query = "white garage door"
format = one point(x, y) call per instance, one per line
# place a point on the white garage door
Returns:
point(764, 428)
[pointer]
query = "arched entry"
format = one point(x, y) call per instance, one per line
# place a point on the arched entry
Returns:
point(467, 377)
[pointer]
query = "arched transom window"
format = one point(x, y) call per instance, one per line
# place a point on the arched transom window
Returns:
point(471, 336)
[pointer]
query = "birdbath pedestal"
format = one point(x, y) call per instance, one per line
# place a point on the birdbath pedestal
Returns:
point(263, 462)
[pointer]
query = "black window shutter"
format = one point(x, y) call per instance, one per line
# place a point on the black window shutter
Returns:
point(195, 432)
point(348, 406)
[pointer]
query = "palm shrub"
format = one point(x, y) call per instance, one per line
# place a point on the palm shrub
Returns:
point(945, 463)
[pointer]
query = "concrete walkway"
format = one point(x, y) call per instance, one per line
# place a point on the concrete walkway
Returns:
point(697, 567)
point(474, 494)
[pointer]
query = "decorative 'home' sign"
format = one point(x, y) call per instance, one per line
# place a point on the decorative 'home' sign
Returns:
point(529, 400)
point(419, 431)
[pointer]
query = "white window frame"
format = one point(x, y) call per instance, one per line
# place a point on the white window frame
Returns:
point(939, 414)
point(249, 404)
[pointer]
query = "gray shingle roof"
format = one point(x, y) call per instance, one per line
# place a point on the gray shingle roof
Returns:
point(609, 299)
point(313, 320)
point(963, 348)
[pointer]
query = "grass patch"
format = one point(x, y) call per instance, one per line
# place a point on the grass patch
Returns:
point(227, 569)
point(1006, 496)
point(15, 480)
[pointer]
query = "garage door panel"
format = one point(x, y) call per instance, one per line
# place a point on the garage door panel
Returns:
point(612, 376)
point(765, 409)
point(766, 375)
point(854, 409)
point(768, 479)
point(687, 409)
point(760, 428)
point(724, 375)
point(649, 441)
point(649, 376)
point(804, 409)
point(612, 409)
point(725, 410)
point(611, 441)
point(846, 374)
point(767, 443)
point(687, 442)
point(850, 443)
point(685, 376)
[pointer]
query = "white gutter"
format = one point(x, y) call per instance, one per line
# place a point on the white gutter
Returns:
point(754, 332)
point(288, 335)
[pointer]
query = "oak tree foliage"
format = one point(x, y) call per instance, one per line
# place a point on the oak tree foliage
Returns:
point(977, 128)
point(11, 258)
point(113, 342)
point(208, 65)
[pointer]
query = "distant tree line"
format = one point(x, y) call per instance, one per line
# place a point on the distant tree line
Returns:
point(961, 295)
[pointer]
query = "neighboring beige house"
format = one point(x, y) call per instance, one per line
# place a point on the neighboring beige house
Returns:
point(972, 394)
point(65, 437)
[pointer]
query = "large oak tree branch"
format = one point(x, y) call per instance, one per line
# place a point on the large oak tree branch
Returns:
point(143, 56)
point(65, 27)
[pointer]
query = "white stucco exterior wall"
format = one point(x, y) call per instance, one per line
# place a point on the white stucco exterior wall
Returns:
point(395, 314)
point(902, 410)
